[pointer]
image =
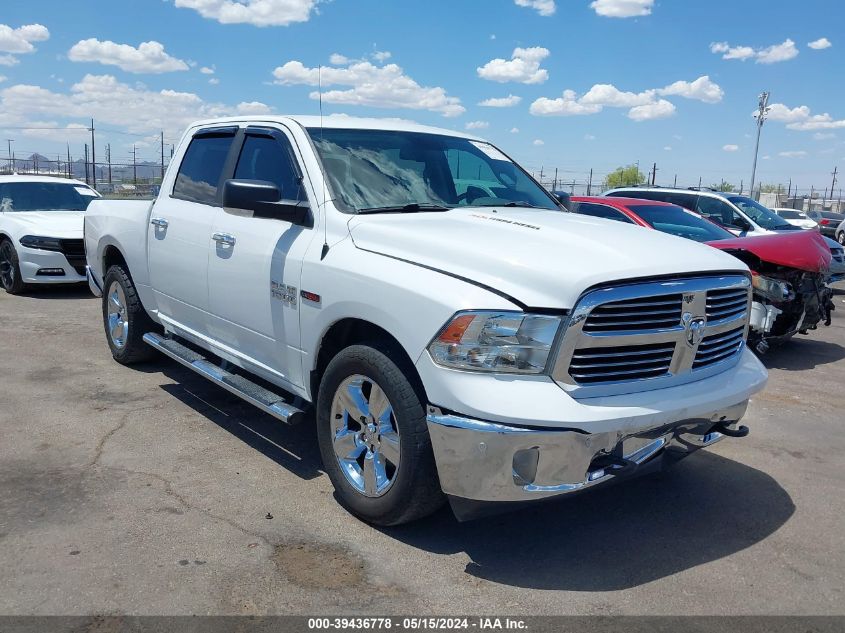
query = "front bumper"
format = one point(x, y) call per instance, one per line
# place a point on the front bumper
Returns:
point(480, 463)
point(34, 263)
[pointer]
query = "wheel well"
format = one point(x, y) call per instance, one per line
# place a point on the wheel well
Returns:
point(112, 256)
point(348, 332)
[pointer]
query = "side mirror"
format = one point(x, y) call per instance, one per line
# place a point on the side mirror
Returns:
point(264, 199)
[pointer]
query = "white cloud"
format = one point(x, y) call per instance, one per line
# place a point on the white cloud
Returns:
point(702, 89)
point(382, 56)
point(730, 148)
point(784, 114)
point(643, 106)
point(823, 136)
point(793, 154)
point(622, 8)
point(255, 12)
point(538, 142)
point(543, 7)
point(820, 44)
point(131, 108)
point(375, 86)
point(20, 41)
point(523, 67)
point(501, 102)
point(667, 148)
point(339, 60)
point(769, 55)
point(800, 118)
point(514, 130)
point(589, 137)
point(477, 125)
point(207, 70)
point(214, 81)
point(149, 57)
point(3, 78)
point(660, 109)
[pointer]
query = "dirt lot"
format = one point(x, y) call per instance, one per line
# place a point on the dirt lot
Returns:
point(149, 491)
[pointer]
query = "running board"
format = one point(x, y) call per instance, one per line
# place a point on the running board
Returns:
point(264, 399)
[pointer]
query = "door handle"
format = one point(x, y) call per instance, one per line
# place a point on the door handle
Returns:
point(159, 222)
point(224, 238)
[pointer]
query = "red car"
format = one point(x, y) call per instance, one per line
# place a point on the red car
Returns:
point(788, 269)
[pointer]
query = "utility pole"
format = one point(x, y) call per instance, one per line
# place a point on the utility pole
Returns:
point(554, 186)
point(741, 184)
point(11, 156)
point(833, 184)
point(590, 183)
point(87, 182)
point(93, 156)
point(762, 111)
point(162, 156)
point(675, 182)
point(134, 167)
point(653, 174)
point(699, 182)
point(108, 157)
point(789, 190)
point(69, 164)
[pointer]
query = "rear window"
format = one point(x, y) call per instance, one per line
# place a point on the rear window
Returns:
point(201, 169)
point(678, 221)
point(790, 215)
point(680, 198)
point(45, 196)
point(833, 216)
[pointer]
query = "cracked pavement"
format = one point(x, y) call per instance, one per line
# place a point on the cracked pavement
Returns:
point(146, 491)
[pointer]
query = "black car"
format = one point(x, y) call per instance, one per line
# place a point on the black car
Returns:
point(827, 221)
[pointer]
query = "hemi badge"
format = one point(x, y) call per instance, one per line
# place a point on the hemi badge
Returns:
point(310, 296)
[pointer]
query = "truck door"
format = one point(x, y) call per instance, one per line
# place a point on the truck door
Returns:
point(255, 264)
point(181, 230)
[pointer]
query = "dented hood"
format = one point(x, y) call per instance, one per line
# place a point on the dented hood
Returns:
point(542, 259)
point(804, 250)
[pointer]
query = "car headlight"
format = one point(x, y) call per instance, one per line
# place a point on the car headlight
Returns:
point(44, 243)
point(772, 289)
point(503, 342)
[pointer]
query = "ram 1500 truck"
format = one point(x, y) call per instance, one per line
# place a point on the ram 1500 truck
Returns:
point(456, 334)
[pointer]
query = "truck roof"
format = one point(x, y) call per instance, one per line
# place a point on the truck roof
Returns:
point(338, 121)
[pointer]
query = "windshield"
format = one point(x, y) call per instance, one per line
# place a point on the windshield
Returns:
point(763, 216)
point(678, 221)
point(400, 170)
point(44, 196)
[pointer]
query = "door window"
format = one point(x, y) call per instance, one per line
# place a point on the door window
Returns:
point(718, 211)
point(271, 159)
point(202, 166)
point(601, 211)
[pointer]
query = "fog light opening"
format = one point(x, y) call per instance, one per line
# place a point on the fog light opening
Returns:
point(525, 466)
point(50, 272)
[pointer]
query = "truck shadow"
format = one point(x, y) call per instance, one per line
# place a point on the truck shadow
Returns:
point(294, 448)
point(60, 291)
point(802, 353)
point(705, 508)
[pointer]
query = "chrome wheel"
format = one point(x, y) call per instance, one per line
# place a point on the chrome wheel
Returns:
point(365, 436)
point(841, 238)
point(118, 320)
point(7, 265)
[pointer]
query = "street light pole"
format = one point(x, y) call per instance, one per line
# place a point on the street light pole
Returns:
point(762, 111)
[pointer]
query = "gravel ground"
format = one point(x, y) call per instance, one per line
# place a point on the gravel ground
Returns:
point(150, 491)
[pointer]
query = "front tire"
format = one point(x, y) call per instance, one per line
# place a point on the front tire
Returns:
point(371, 427)
point(840, 237)
point(124, 318)
point(10, 269)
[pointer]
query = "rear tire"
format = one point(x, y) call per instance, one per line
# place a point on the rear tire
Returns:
point(124, 318)
point(840, 237)
point(373, 436)
point(10, 270)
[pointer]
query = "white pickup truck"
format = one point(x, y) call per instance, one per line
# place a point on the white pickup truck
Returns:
point(456, 333)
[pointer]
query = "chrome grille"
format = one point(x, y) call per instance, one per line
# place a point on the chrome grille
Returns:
point(649, 335)
point(642, 313)
point(724, 304)
point(630, 362)
point(718, 347)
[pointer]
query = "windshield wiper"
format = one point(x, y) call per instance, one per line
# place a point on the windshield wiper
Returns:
point(519, 203)
point(414, 207)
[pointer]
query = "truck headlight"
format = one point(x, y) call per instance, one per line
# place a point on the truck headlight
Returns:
point(44, 243)
point(503, 342)
point(772, 289)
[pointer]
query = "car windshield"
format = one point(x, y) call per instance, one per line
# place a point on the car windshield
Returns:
point(791, 215)
point(401, 171)
point(44, 196)
point(678, 221)
point(763, 216)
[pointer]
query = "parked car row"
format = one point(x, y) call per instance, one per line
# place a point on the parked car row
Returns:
point(457, 335)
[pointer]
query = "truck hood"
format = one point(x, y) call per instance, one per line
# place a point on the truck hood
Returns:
point(804, 250)
point(64, 224)
point(542, 259)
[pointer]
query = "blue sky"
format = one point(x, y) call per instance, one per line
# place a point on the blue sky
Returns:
point(434, 62)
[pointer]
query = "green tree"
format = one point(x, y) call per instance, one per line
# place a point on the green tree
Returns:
point(625, 177)
point(772, 188)
point(723, 186)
